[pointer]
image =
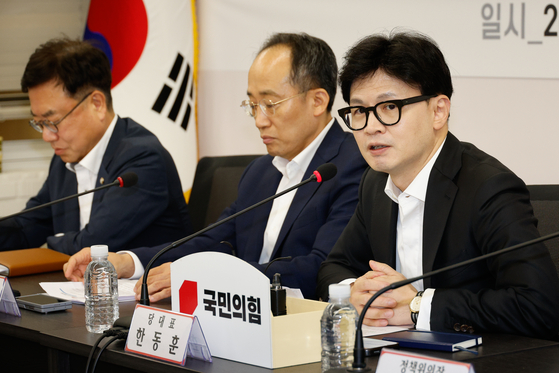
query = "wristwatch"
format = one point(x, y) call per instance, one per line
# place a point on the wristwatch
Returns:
point(414, 307)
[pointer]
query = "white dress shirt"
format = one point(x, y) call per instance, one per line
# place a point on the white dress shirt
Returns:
point(87, 171)
point(292, 172)
point(409, 233)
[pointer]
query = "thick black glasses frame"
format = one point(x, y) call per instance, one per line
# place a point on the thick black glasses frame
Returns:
point(344, 112)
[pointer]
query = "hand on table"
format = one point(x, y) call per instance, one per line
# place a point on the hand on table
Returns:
point(159, 283)
point(391, 308)
point(75, 268)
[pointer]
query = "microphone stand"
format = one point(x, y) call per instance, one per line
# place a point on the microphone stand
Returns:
point(359, 364)
point(130, 179)
point(144, 295)
point(116, 182)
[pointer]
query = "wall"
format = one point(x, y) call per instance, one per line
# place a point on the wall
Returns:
point(505, 97)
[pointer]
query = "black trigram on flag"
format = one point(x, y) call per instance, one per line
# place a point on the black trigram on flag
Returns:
point(166, 92)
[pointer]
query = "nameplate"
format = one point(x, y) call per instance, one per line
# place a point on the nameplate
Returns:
point(8, 302)
point(166, 335)
point(407, 362)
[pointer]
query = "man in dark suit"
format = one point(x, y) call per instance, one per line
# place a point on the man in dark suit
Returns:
point(429, 201)
point(291, 89)
point(69, 85)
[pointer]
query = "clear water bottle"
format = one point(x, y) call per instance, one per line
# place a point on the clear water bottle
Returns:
point(101, 291)
point(338, 329)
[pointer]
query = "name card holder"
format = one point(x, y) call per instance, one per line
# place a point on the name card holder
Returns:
point(8, 302)
point(166, 335)
point(408, 362)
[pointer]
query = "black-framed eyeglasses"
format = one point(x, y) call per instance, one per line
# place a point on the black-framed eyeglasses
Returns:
point(38, 125)
point(267, 106)
point(387, 112)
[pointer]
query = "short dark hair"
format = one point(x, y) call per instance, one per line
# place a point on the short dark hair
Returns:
point(313, 63)
point(77, 65)
point(413, 58)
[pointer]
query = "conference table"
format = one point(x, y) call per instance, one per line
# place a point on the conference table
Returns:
point(59, 342)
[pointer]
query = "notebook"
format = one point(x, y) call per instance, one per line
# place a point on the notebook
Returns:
point(435, 340)
point(30, 261)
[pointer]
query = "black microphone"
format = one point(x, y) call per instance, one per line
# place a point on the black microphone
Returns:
point(359, 364)
point(323, 173)
point(125, 181)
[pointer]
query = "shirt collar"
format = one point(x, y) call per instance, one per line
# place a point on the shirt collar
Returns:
point(92, 160)
point(418, 187)
point(302, 160)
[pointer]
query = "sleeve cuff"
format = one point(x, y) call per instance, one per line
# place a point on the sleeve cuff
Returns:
point(424, 318)
point(138, 267)
point(347, 281)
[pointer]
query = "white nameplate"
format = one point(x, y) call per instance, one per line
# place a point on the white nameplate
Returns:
point(407, 362)
point(166, 335)
point(8, 302)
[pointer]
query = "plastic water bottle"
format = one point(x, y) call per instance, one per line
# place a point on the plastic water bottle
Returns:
point(338, 329)
point(101, 291)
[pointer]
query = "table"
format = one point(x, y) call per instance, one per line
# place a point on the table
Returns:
point(59, 342)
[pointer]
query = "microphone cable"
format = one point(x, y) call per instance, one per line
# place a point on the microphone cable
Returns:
point(114, 334)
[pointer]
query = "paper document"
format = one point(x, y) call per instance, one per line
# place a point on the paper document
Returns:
point(293, 293)
point(74, 291)
point(378, 330)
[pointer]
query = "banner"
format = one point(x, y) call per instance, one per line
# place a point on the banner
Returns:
point(152, 46)
point(479, 38)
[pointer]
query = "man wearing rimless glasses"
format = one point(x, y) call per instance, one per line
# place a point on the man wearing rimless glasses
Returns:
point(429, 201)
point(69, 86)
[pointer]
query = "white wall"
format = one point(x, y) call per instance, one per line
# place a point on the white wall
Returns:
point(24, 24)
point(506, 91)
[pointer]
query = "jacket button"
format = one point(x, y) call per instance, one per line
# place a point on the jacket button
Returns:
point(457, 327)
point(464, 328)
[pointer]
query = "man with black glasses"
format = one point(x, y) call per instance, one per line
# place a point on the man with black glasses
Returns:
point(429, 201)
point(69, 86)
point(291, 89)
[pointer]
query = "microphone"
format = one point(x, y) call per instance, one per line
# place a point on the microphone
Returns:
point(323, 173)
point(359, 364)
point(127, 180)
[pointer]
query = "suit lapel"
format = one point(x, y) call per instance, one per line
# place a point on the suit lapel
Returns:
point(261, 214)
point(69, 210)
point(441, 192)
point(384, 220)
point(328, 149)
point(119, 133)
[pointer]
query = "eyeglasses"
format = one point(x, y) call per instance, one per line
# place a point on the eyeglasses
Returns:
point(267, 106)
point(387, 112)
point(38, 125)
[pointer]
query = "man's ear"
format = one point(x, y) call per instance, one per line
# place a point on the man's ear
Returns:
point(320, 101)
point(99, 103)
point(441, 111)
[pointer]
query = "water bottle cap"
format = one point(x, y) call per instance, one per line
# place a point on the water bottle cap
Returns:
point(339, 291)
point(99, 250)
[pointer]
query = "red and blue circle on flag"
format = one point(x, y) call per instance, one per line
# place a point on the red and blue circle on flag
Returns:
point(120, 29)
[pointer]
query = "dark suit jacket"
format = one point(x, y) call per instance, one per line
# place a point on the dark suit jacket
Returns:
point(316, 218)
point(474, 205)
point(152, 212)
